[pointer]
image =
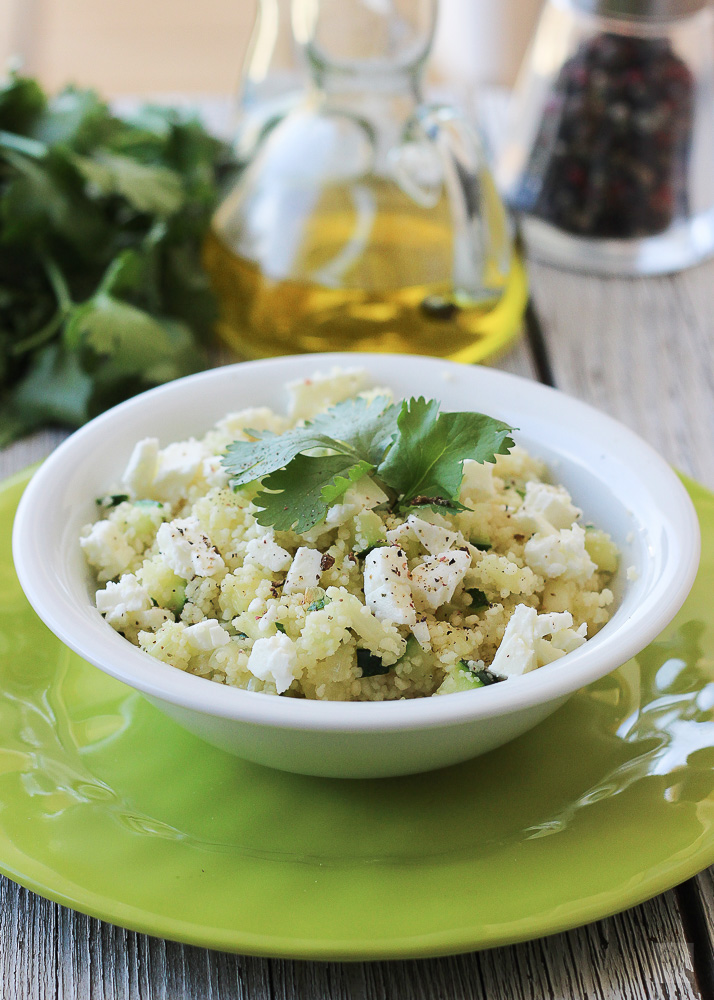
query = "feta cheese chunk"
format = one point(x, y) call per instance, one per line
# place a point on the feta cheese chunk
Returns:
point(106, 548)
point(187, 550)
point(339, 513)
point(138, 478)
point(420, 631)
point(118, 600)
point(524, 646)
point(264, 551)
point(399, 535)
point(213, 472)
point(163, 474)
point(305, 571)
point(365, 494)
point(309, 396)
point(477, 483)
point(254, 418)
point(560, 554)
point(517, 652)
point(546, 508)
point(207, 635)
point(127, 605)
point(274, 658)
point(433, 537)
point(178, 466)
point(569, 639)
point(436, 578)
point(386, 585)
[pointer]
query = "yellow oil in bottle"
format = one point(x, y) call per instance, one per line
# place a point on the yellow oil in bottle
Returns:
point(371, 273)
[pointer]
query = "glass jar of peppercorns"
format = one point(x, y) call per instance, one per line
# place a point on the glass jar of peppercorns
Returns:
point(609, 153)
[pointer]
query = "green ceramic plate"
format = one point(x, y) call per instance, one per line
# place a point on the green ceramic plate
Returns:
point(110, 808)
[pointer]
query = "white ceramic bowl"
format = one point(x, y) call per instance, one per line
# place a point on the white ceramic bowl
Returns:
point(622, 485)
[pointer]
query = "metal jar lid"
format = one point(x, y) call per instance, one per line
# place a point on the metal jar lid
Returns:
point(642, 10)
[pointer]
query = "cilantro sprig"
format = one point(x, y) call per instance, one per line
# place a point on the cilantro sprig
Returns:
point(102, 221)
point(412, 450)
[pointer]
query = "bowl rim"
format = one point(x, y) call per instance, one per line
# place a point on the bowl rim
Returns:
point(112, 653)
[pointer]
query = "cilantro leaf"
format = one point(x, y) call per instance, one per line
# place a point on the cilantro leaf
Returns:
point(414, 451)
point(103, 292)
point(300, 494)
point(148, 188)
point(55, 389)
point(335, 490)
point(426, 461)
point(368, 426)
point(357, 429)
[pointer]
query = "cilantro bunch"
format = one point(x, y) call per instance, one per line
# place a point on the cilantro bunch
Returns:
point(102, 291)
point(414, 452)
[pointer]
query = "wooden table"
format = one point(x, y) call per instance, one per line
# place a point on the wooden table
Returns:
point(642, 350)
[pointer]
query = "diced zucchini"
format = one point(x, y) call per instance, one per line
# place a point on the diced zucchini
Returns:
point(369, 664)
point(602, 550)
point(369, 531)
point(478, 599)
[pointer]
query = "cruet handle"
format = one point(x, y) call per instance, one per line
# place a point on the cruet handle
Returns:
point(440, 150)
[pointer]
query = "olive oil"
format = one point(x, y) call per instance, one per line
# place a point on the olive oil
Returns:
point(371, 270)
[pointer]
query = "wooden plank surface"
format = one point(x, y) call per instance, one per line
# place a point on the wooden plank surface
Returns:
point(614, 343)
point(640, 349)
point(50, 952)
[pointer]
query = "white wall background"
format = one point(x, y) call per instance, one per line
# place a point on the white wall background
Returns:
point(141, 46)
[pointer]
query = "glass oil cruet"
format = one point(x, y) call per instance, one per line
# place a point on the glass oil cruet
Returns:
point(273, 77)
point(366, 220)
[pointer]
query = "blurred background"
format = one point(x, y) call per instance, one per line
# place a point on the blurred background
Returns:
point(180, 46)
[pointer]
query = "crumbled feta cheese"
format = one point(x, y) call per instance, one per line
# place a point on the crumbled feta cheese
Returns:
point(254, 418)
point(274, 658)
point(560, 554)
point(305, 571)
point(213, 472)
point(106, 549)
point(265, 552)
point(365, 494)
point(435, 579)
point(118, 600)
point(386, 585)
point(339, 513)
point(400, 534)
point(420, 631)
point(477, 482)
point(178, 465)
point(207, 635)
point(569, 639)
point(517, 652)
point(269, 618)
point(187, 550)
point(127, 605)
point(632, 573)
point(138, 478)
point(546, 652)
point(555, 621)
point(524, 646)
point(433, 537)
point(309, 396)
point(546, 508)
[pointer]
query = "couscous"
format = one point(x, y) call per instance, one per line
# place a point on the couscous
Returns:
point(349, 587)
